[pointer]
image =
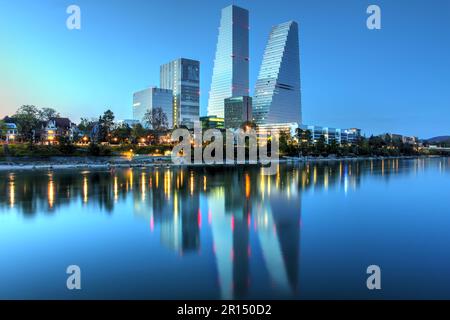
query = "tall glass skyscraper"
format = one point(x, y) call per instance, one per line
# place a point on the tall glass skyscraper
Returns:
point(151, 98)
point(231, 65)
point(182, 76)
point(277, 97)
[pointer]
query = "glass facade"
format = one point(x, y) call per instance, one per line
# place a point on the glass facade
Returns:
point(237, 111)
point(231, 65)
point(277, 97)
point(150, 98)
point(182, 76)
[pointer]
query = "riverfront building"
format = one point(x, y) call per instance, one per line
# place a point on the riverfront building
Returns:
point(182, 76)
point(237, 111)
point(277, 96)
point(151, 98)
point(341, 136)
point(231, 65)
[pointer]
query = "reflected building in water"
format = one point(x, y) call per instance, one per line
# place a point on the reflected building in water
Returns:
point(250, 223)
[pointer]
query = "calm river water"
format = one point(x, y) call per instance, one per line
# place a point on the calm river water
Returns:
point(310, 231)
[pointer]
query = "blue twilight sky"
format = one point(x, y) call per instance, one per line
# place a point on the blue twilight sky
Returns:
point(396, 79)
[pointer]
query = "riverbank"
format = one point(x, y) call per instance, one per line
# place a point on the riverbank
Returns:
point(80, 163)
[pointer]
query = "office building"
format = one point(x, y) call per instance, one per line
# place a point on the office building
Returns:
point(277, 97)
point(237, 111)
point(152, 98)
point(182, 76)
point(231, 65)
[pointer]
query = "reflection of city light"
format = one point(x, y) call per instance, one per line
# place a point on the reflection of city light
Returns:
point(315, 175)
point(152, 223)
point(209, 216)
point(199, 218)
point(157, 179)
point(131, 176)
point(204, 183)
point(262, 184)
point(85, 189)
point(192, 183)
point(51, 192)
point(232, 223)
point(116, 189)
point(175, 207)
point(143, 186)
point(325, 180)
point(12, 191)
point(247, 186)
point(167, 184)
point(277, 181)
point(304, 179)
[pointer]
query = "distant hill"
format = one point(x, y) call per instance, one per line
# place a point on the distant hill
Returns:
point(440, 139)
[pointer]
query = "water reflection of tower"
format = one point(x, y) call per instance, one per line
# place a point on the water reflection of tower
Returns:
point(277, 215)
point(229, 205)
point(178, 212)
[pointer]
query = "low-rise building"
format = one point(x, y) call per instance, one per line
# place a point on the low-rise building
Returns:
point(58, 127)
point(10, 133)
point(238, 110)
point(212, 122)
point(268, 129)
point(340, 136)
point(398, 138)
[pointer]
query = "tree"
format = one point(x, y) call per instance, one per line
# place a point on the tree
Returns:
point(85, 126)
point(284, 142)
point(156, 119)
point(121, 133)
point(137, 131)
point(304, 138)
point(3, 128)
point(45, 114)
point(321, 145)
point(333, 148)
point(106, 125)
point(27, 120)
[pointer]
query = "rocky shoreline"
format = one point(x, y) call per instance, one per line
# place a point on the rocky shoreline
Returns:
point(67, 163)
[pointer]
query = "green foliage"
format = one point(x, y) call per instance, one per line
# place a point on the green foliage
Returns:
point(156, 119)
point(31, 150)
point(66, 146)
point(96, 150)
point(27, 119)
point(45, 114)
